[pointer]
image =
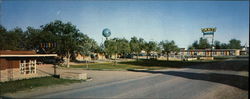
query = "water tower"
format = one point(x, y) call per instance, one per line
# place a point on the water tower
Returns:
point(106, 33)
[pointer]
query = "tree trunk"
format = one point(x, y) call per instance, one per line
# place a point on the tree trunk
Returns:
point(167, 56)
point(147, 55)
point(115, 58)
point(68, 59)
point(137, 57)
point(87, 63)
point(87, 66)
point(54, 70)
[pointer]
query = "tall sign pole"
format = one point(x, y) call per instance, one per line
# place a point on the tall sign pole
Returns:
point(208, 32)
point(106, 33)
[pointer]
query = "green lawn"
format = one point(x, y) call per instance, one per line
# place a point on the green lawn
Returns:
point(223, 57)
point(141, 64)
point(18, 85)
point(112, 66)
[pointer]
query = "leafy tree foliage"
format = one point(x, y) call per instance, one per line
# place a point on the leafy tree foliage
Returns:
point(224, 46)
point(168, 47)
point(202, 44)
point(191, 47)
point(86, 46)
point(123, 46)
point(142, 44)
point(135, 46)
point(217, 44)
point(110, 47)
point(195, 44)
point(71, 42)
point(150, 46)
point(3, 38)
point(11, 40)
point(68, 39)
point(234, 44)
point(117, 46)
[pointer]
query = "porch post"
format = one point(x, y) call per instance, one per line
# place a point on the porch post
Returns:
point(35, 66)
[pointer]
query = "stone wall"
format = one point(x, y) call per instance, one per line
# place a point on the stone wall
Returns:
point(14, 74)
point(74, 76)
point(3, 75)
point(9, 74)
point(206, 58)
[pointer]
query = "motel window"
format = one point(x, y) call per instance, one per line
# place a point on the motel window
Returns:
point(195, 53)
point(231, 53)
point(203, 53)
point(27, 66)
point(214, 53)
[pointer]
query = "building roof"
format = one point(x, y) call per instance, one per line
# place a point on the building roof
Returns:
point(10, 53)
point(210, 50)
point(35, 55)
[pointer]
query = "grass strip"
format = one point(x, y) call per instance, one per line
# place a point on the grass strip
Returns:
point(18, 85)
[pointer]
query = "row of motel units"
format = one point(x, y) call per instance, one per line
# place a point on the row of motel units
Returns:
point(19, 64)
point(207, 52)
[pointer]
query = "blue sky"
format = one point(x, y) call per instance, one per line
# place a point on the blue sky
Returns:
point(180, 21)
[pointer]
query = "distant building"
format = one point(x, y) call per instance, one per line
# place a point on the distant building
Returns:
point(93, 56)
point(19, 64)
point(244, 51)
point(208, 52)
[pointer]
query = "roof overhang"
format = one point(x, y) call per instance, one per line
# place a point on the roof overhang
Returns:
point(35, 55)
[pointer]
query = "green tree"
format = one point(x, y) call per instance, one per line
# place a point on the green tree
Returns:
point(102, 48)
point(217, 44)
point(67, 37)
point(168, 47)
point(203, 44)
point(135, 46)
point(2, 37)
point(150, 46)
point(123, 46)
point(142, 43)
point(86, 46)
point(234, 44)
point(191, 47)
point(117, 46)
point(195, 44)
point(110, 47)
point(13, 39)
point(224, 46)
point(33, 38)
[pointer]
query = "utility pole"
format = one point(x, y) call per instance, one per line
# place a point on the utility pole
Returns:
point(212, 46)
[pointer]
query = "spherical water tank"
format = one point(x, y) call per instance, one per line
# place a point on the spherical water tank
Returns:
point(106, 32)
